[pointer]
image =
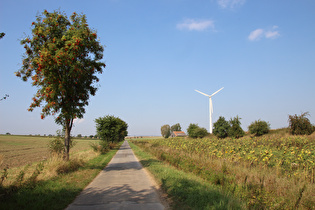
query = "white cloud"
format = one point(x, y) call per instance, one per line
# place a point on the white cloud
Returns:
point(197, 25)
point(272, 34)
point(256, 35)
point(268, 34)
point(230, 3)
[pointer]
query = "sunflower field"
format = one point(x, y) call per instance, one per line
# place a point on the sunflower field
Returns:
point(273, 172)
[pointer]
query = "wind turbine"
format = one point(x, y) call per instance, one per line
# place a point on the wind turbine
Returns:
point(210, 105)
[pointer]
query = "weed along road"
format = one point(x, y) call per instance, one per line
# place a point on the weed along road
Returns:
point(123, 184)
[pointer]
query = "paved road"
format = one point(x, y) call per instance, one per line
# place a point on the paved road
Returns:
point(123, 184)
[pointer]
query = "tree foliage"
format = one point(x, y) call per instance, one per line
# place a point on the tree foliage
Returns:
point(221, 128)
point(235, 130)
point(194, 131)
point(62, 58)
point(166, 131)
point(300, 124)
point(4, 97)
point(259, 128)
point(176, 127)
point(2, 35)
point(110, 128)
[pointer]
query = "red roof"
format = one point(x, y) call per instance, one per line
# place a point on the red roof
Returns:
point(179, 133)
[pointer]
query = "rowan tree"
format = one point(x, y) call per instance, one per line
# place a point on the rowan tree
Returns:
point(300, 124)
point(62, 58)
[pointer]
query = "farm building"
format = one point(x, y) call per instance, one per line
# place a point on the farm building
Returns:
point(178, 134)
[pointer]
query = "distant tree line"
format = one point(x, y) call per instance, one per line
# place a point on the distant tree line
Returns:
point(298, 125)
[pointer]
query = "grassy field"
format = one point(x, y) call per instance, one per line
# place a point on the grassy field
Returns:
point(270, 172)
point(34, 183)
point(18, 151)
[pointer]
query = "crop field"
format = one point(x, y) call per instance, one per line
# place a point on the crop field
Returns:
point(273, 172)
point(18, 151)
point(33, 183)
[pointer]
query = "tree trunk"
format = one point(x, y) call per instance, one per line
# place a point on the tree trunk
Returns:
point(68, 126)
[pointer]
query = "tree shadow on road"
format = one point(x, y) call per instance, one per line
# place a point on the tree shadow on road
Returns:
point(115, 194)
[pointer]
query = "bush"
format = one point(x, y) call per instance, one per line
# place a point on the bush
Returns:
point(300, 125)
point(221, 128)
point(69, 166)
point(101, 147)
point(194, 131)
point(166, 131)
point(259, 128)
point(56, 146)
point(201, 132)
point(236, 130)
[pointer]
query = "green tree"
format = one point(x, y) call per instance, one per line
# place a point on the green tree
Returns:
point(191, 130)
point(300, 124)
point(110, 128)
point(176, 127)
point(194, 131)
point(259, 128)
point(2, 35)
point(236, 130)
point(62, 58)
point(166, 131)
point(221, 128)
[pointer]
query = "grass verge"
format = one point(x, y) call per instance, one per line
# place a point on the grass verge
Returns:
point(186, 190)
point(57, 192)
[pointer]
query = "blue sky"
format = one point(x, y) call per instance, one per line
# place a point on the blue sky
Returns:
point(158, 52)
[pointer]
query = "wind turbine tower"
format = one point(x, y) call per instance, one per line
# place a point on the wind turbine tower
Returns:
point(210, 106)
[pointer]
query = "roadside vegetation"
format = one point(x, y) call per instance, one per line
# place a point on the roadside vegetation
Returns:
point(48, 182)
point(273, 171)
point(185, 190)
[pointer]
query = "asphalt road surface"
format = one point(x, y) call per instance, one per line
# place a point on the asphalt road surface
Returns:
point(123, 184)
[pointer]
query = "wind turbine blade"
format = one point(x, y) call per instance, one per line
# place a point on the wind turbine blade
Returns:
point(202, 93)
point(216, 92)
